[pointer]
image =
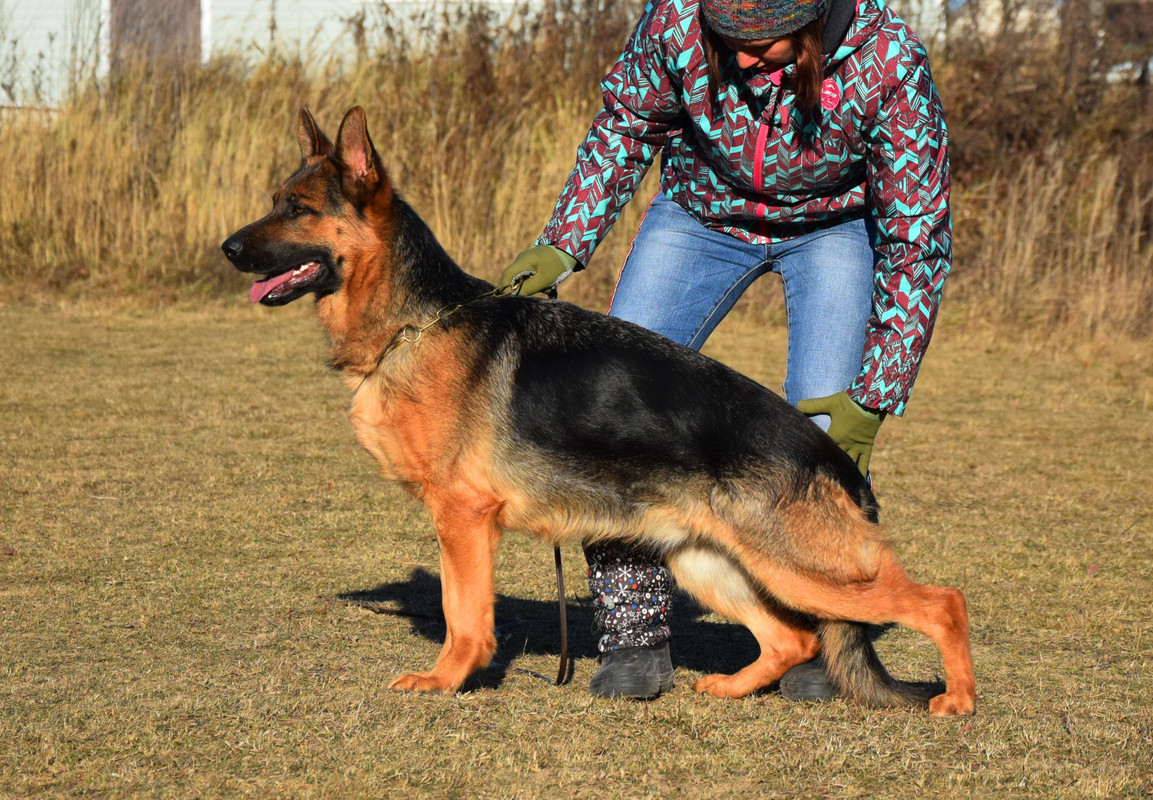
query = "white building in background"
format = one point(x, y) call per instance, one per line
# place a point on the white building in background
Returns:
point(44, 43)
point(36, 40)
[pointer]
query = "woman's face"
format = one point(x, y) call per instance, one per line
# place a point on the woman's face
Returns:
point(761, 55)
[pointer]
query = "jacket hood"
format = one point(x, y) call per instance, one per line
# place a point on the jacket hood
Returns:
point(850, 24)
point(838, 15)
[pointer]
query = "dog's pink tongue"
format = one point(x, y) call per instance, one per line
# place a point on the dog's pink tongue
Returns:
point(260, 289)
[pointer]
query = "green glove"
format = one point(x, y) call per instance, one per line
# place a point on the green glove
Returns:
point(542, 268)
point(853, 428)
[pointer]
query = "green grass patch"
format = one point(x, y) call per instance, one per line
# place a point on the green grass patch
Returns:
point(177, 489)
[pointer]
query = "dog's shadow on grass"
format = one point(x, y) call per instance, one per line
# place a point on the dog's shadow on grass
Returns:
point(533, 627)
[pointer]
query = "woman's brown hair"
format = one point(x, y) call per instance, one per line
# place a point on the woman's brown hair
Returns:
point(806, 44)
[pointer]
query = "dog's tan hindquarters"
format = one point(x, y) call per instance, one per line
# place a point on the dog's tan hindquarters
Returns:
point(883, 594)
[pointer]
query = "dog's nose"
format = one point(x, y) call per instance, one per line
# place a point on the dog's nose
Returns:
point(232, 247)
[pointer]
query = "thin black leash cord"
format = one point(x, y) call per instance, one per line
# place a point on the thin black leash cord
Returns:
point(410, 334)
point(564, 674)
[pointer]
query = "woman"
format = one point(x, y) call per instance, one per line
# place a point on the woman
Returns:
point(802, 137)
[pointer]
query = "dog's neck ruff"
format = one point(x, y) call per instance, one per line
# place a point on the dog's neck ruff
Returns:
point(411, 334)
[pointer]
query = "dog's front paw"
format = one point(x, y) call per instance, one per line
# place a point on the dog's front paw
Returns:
point(726, 687)
point(421, 682)
point(946, 705)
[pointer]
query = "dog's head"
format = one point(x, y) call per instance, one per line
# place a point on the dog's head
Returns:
point(323, 219)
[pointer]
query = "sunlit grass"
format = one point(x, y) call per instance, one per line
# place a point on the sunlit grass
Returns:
point(178, 488)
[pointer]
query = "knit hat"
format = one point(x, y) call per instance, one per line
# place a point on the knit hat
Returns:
point(751, 20)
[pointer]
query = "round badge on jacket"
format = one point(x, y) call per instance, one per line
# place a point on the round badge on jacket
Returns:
point(830, 94)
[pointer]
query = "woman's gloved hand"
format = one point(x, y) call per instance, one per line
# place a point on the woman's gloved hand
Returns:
point(853, 427)
point(541, 268)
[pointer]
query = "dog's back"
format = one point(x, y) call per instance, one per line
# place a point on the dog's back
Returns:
point(636, 417)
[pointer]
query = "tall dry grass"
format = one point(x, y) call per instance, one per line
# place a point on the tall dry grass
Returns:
point(1063, 245)
point(131, 184)
point(127, 188)
point(1053, 168)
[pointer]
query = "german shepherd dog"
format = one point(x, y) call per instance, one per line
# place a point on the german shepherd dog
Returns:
point(528, 414)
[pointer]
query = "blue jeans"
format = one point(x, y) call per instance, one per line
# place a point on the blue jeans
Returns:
point(680, 280)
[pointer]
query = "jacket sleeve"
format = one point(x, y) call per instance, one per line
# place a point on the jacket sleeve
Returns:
point(641, 107)
point(908, 182)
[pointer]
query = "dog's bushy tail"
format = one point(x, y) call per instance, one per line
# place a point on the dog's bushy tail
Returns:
point(855, 669)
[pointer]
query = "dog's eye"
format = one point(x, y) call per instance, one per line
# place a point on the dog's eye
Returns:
point(297, 210)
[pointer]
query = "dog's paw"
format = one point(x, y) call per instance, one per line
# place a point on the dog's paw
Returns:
point(722, 686)
point(421, 682)
point(947, 705)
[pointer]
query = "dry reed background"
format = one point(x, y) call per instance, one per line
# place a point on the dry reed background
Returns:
point(126, 190)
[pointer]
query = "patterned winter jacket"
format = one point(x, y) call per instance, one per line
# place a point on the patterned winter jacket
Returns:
point(739, 161)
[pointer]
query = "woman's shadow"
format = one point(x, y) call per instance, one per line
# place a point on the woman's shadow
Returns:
point(532, 627)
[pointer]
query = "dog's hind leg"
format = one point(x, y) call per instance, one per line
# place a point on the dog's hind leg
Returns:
point(467, 533)
point(887, 595)
point(718, 584)
point(938, 612)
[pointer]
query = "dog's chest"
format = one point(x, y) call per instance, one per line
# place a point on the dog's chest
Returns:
point(408, 433)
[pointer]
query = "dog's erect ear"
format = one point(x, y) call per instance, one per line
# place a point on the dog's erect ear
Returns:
point(360, 166)
point(312, 140)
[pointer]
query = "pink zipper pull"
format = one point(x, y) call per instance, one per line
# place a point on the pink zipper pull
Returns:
point(759, 158)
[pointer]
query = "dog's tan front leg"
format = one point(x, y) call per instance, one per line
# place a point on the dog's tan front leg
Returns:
point(467, 535)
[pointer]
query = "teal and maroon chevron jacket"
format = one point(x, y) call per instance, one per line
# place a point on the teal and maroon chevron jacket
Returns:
point(739, 161)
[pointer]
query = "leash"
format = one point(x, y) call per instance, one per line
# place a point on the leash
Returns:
point(564, 672)
point(411, 334)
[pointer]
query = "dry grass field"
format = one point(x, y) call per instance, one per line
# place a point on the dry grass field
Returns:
point(178, 488)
